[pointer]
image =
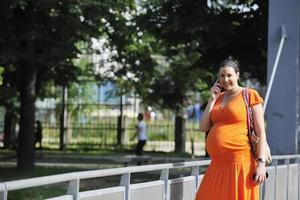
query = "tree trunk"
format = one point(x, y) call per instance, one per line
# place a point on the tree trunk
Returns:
point(25, 152)
point(120, 128)
point(63, 119)
point(8, 126)
point(179, 134)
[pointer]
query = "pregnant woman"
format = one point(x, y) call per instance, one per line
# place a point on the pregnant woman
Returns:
point(233, 174)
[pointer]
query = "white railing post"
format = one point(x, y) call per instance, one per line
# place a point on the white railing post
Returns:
point(195, 172)
point(298, 162)
point(287, 162)
point(125, 181)
point(3, 191)
point(164, 175)
point(73, 189)
point(261, 190)
point(276, 165)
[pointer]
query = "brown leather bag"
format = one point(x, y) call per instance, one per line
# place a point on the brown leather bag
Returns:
point(253, 137)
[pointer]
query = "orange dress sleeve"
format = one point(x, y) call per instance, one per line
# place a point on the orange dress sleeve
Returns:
point(254, 98)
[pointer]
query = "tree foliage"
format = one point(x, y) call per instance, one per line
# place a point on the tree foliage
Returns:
point(193, 36)
point(164, 49)
point(213, 31)
point(38, 43)
point(131, 67)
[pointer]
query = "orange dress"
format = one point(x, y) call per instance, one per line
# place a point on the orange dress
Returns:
point(229, 176)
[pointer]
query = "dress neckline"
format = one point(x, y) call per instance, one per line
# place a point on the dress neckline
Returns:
point(233, 98)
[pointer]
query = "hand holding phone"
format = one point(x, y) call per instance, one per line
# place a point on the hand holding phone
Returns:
point(219, 85)
point(216, 89)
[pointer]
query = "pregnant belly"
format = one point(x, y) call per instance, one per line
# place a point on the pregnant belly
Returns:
point(226, 138)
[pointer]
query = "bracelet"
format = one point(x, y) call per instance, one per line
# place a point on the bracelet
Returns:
point(260, 160)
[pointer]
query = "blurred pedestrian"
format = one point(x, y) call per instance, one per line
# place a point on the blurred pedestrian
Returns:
point(141, 134)
point(38, 134)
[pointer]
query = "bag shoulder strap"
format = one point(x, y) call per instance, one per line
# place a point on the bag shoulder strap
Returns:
point(248, 110)
point(246, 97)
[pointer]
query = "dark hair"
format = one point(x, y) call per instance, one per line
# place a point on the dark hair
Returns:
point(230, 62)
point(140, 116)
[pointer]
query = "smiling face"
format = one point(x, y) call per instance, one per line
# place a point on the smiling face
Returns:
point(228, 77)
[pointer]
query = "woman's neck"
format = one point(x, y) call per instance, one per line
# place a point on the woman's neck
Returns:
point(234, 90)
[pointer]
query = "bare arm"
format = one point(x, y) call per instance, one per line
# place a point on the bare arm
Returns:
point(258, 117)
point(259, 124)
point(205, 122)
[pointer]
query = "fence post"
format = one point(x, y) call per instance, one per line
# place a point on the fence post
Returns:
point(287, 163)
point(3, 192)
point(164, 175)
point(195, 172)
point(73, 189)
point(276, 165)
point(125, 181)
point(298, 162)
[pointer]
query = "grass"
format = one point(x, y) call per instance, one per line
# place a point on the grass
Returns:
point(38, 193)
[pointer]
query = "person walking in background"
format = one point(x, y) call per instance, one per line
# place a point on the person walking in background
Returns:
point(233, 174)
point(141, 133)
point(38, 134)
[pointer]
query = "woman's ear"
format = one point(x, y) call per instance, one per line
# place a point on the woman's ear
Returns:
point(238, 74)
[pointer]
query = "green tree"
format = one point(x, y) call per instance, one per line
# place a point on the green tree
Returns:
point(131, 66)
point(38, 39)
point(194, 36)
point(214, 31)
point(1, 79)
point(9, 100)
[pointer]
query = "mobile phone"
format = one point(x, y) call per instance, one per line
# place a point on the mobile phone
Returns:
point(254, 175)
point(221, 88)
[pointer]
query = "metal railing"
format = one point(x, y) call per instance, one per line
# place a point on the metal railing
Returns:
point(283, 182)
